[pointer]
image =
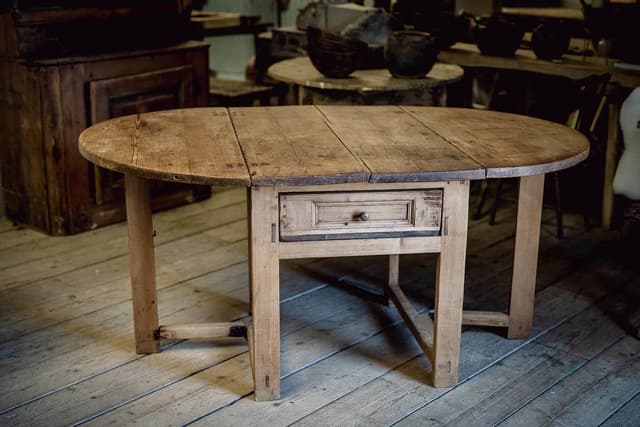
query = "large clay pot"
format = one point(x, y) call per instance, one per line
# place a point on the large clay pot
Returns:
point(498, 36)
point(410, 53)
point(550, 40)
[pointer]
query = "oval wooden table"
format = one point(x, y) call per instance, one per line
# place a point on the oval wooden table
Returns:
point(364, 87)
point(332, 181)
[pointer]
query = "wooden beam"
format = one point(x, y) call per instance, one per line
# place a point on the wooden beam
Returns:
point(610, 165)
point(420, 326)
point(525, 258)
point(344, 248)
point(485, 318)
point(450, 285)
point(142, 264)
point(264, 276)
point(202, 330)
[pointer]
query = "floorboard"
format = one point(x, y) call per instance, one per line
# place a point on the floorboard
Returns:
point(66, 350)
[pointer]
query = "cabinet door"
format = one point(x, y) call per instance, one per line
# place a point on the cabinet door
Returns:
point(109, 98)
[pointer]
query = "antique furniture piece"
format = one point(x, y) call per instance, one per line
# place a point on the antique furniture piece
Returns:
point(66, 67)
point(333, 181)
point(364, 87)
point(573, 67)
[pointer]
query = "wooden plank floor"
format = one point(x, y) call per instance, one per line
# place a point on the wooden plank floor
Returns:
point(66, 347)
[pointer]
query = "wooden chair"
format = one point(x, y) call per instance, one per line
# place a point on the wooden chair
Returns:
point(587, 105)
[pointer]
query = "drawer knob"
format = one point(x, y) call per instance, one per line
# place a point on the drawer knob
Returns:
point(364, 216)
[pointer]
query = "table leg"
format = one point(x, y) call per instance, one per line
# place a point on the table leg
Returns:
point(610, 165)
point(142, 264)
point(525, 258)
point(264, 272)
point(450, 285)
point(393, 277)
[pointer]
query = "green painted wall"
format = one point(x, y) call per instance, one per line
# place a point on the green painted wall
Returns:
point(229, 55)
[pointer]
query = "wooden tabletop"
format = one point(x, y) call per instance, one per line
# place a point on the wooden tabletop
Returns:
point(301, 145)
point(300, 71)
point(545, 12)
point(572, 66)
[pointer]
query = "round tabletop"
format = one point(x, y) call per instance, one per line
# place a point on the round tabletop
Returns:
point(329, 144)
point(301, 71)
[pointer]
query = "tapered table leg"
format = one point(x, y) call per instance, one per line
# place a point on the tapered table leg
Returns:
point(265, 292)
point(142, 264)
point(450, 285)
point(525, 258)
point(610, 166)
point(393, 277)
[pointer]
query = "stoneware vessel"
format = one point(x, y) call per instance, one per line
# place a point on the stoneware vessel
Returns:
point(410, 54)
point(497, 36)
point(550, 40)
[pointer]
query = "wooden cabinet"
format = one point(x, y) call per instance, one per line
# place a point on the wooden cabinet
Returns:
point(46, 103)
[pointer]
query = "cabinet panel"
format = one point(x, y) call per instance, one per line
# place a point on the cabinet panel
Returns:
point(119, 96)
point(47, 103)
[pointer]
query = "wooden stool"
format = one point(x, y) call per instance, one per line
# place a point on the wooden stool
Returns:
point(234, 93)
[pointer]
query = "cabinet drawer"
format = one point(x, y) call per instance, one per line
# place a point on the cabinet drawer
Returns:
point(357, 215)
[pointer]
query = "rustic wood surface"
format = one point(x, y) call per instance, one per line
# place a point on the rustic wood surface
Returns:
point(506, 145)
point(300, 71)
point(67, 349)
point(142, 264)
point(326, 214)
point(545, 12)
point(395, 147)
point(49, 103)
point(293, 145)
point(330, 145)
point(572, 66)
point(190, 145)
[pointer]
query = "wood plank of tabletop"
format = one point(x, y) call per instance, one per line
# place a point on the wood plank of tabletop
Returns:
point(396, 147)
point(195, 145)
point(507, 145)
point(293, 145)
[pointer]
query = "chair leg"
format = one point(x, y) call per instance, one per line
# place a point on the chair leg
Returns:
point(484, 190)
point(556, 192)
point(494, 207)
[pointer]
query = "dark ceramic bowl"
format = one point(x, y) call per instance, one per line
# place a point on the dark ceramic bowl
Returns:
point(550, 40)
point(410, 53)
point(498, 37)
point(333, 55)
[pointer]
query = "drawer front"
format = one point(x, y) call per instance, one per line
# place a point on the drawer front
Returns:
point(357, 215)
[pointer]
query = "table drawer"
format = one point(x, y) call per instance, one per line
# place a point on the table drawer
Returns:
point(357, 215)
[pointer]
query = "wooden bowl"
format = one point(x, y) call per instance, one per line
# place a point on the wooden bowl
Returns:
point(333, 55)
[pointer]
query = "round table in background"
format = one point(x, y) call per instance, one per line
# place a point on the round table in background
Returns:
point(365, 87)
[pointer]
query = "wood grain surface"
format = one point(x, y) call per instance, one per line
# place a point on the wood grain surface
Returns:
point(506, 145)
point(293, 145)
point(311, 145)
point(188, 145)
point(398, 148)
point(572, 66)
point(300, 71)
